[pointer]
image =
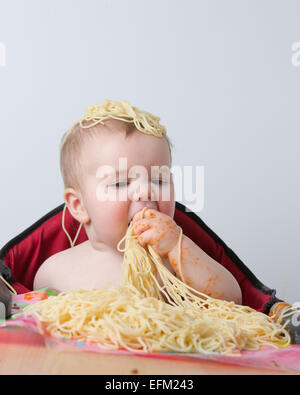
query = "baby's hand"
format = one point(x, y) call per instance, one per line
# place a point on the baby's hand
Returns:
point(157, 229)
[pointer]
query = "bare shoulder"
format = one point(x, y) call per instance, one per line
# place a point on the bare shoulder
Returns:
point(49, 270)
point(56, 267)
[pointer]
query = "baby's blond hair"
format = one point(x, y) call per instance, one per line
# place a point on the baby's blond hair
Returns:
point(132, 118)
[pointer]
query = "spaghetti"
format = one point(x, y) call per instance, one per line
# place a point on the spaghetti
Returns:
point(144, 121)
point(10, 287)
point(153, 311)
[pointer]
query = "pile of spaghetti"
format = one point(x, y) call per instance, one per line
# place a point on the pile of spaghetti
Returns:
point(97, 114)
point(154, 311)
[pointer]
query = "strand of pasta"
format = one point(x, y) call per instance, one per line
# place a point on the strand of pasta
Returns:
point(72, 242)
point(10, 287)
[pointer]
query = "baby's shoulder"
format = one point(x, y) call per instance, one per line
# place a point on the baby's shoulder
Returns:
point(57, 266)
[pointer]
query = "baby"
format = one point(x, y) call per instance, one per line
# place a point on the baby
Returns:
point(116, 169)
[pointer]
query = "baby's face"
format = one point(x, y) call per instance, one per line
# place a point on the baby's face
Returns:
point(144, 180)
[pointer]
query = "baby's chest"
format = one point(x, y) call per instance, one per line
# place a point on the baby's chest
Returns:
point(93, 272)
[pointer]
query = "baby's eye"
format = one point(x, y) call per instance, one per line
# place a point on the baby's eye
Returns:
point(121, 184)
point(158, 182)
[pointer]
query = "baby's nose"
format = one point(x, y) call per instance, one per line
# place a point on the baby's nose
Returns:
point(143, 192)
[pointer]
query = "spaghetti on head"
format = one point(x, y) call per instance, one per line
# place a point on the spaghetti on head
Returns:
point(153, 311)
point(95, 117)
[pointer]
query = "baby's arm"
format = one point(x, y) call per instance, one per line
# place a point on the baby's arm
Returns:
point(203, 273)
point(199, 270)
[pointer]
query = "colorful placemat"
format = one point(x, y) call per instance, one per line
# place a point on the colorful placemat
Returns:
point(266, 358)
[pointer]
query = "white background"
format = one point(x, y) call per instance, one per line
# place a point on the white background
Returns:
point(218, 73)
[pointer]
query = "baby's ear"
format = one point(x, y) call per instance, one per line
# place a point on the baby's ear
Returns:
point(75, 205)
